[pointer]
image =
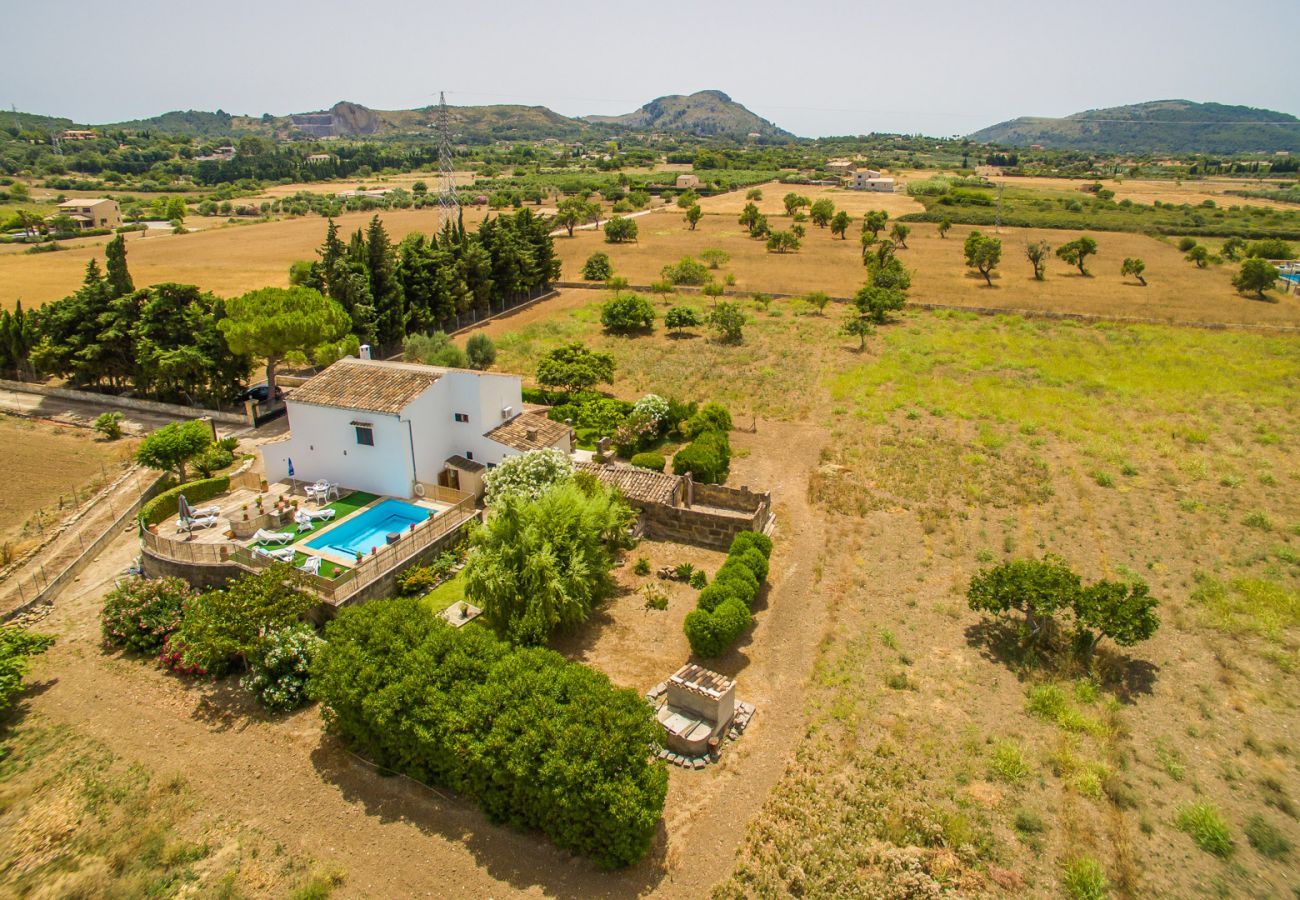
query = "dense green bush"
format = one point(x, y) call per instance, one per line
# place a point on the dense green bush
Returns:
point(707, 458)
point(211, 460)
point(278, 668)
point(536, 740)
point(687, 271)
point(722, 610)
point(710, 417)
point(480, 352)
point(165, 504)
point(17, 647)
point(627, 314)
point(140, 613)
point(649, 460)
point(597, 267)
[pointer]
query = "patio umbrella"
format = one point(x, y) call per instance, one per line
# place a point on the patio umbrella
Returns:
point(183, 508)
point(294, 484)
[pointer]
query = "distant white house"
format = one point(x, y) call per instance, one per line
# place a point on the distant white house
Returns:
point(871, 180)
point(392, 428)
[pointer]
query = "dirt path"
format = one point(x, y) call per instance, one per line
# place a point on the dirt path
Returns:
point(395, 838)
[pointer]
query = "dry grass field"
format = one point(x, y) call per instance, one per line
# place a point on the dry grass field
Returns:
point(1176, 291)
point(932, 756)
point(227, 260)
point(48, 464)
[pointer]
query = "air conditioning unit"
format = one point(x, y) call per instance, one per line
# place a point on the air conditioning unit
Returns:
point(507, 412)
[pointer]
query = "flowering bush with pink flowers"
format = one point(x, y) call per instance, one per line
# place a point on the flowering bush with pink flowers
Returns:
point(139, 614)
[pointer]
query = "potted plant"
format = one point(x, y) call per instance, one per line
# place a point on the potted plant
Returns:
point(153, 527)
point(464, 610)
point(264, 486)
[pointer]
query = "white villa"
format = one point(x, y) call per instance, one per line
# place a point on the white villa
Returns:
point(392, 428)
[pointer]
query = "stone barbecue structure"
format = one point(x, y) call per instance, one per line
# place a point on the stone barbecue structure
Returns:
point(698, 709)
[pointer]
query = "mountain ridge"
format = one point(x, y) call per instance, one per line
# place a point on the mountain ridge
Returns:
point(1173, 126)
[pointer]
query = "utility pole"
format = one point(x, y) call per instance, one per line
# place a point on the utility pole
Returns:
point(997, 228)
point(448, 201)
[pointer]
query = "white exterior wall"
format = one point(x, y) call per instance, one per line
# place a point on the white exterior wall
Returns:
point(323, 440)
point(323, 445)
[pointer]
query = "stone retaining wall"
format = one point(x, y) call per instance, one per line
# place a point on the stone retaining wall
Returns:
point(153, 406)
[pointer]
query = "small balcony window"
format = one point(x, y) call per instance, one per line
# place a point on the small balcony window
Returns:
point(365, 435)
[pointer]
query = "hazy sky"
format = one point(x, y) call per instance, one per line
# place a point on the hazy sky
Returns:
point(940, 67)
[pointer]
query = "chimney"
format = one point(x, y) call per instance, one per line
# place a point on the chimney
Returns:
point(531, 434)
point(365, 351)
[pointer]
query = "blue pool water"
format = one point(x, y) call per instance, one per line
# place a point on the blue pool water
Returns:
point(1293, 278)
point(371, 527)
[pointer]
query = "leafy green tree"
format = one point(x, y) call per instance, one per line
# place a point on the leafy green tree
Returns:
point(821, 212)
point(385, 289)
point(1135, 267)
point(620, 229)
point(1037, 589)
point(753, 194)
point(573, 367)
point(223, 629)
point(119, 279)
point(1036, 252)
point(687, 198)
point(597, 267)
point(1199, 254)
point(782, 242)
point(749, 216)
point(798, 230)
point(1077, 251)
point(1125, 613)
point(874, 222)
point(627, 314)
point(859, 326)
point(794, 202)
point(270, 323)
point(173, 445)
point(727, 320)
point(760, 228)
point(715, 258)
point(175, 209)
point(840, 224)
point(693, 215)
point(480, 352)
point(945, 225)
point(680, 318)
point(17, 647)
point(1256, 274)
point(876, 302)
point(817, 300)
point(1269, 248)
point(686, 271)
point(574, 211)
point(898, 234)
point(983, 254)
point(541, 564)
point(1233, 247)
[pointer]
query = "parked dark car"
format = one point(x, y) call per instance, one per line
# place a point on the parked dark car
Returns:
point(257, 393)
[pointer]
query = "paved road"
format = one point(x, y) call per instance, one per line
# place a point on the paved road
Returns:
point(76, 412)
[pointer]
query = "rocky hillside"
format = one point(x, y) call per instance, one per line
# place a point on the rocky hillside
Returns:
point(702, 113)
point(1160, 126)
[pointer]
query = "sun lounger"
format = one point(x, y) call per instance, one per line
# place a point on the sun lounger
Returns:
point(272, 537)
point(206, 511)
point(306, 519)
point(283, 555)
point(311, 565)
point(195, 522)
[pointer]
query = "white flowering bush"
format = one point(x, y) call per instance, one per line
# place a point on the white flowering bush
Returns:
point(527, 475)
point(651, 408)
point(277, 672)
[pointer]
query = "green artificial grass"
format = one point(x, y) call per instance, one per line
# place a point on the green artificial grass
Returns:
point(343, 508)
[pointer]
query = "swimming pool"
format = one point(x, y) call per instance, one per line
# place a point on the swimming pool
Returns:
point(370, 528)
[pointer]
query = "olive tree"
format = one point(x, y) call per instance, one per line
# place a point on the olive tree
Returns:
point(1258, 275)
point(169, 448)
point(1036, 252)
point(840, 224)
point(983, 253)
point(1077, 251)
point(1134, 266)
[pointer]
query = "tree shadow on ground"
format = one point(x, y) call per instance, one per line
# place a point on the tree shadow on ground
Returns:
point(1125, 676)
point(524, 860)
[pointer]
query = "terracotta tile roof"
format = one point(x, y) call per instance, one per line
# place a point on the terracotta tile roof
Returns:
point(528, 431)
point(367, 384)
point(636, 484)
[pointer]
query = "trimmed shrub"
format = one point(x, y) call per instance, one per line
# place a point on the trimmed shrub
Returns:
point(747, 539)
point(754, 560)
point(653, 461)
point(139, 614)
point(627, 314)
point(711, 634)
point(707, 458)
point(278, 669)
point(739, 578)
point(710, 417)
point(512, 728)
point(715, 594)
point(597, 267)
point(165, 504)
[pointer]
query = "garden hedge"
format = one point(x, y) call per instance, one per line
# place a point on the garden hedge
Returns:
point(707, 458)
point(722, 611)
point(166, 503)
point(649, 460)
point(536, 740)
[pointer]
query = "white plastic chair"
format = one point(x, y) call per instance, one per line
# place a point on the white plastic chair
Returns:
point(311, 565)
